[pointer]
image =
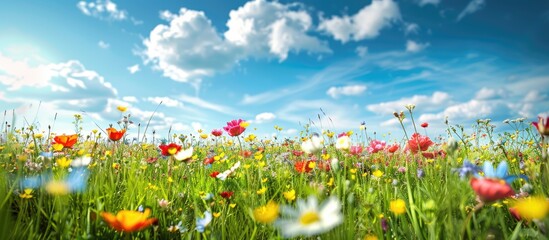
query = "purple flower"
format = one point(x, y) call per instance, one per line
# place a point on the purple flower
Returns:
point(420, 173)
point(468, 168)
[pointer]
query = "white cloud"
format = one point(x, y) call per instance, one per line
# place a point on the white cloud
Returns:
point(105, 10)
point(189, 47)
point(411, 28)
point(361, 51)
point(489, 93)
point(333, 116)
point(103, 45)
point(366, 24)
point(413, 47)
point(196, 126)
point(473, 6)
point(133, 69)
point(393, 122)
point(132, 99)
point(166, 101)
point(425, 2)
point(350, 90)
point(423, 102)
point(264, 117)
point(208, 105)
point(16, 74)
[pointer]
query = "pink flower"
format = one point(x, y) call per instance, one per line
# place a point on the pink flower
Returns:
point(234, 128)
point(356, 150)
point(424, 125)
point(376, 146)
point(217, 132)
point(419, 143)
point(342, 134)
point(542, 125)
point(489, 189)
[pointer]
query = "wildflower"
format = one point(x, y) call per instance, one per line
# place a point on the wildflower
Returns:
point(356, 150)
point(222, 176)
point(397, 206)
point(419, 143)
point(393, 148)
point(217, 132)
point(343, 142)
point(214, 174)
point(425, 125)
point(310, 219)
point(81, 161)
point(494, 185)
point(235, 127)
point(170, 149)
point(63, 162)
point(184, 155)
point(289, 195)
point(370, 237)
point(57, 188)
point(376, 146)
point(122, 108)
point(542, 125)
point(67, 141)
point(163, 203)
point(313, 144)
point(115, 135)
point(26, 194)
point(303, 166)
point(267, 213)
point(434, 154)
point(226, 194)
point(177, 228)
point(377, 173)
point(420, 173)
point(262, 191)
point(129, 221)
point(201, 223)
point(216, 214)
point(531, 208)
point(362, 126)
point(467, 169)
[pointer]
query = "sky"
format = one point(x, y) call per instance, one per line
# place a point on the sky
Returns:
point(190, 65)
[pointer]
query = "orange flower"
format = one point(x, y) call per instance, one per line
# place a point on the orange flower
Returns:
point(66, 141)
point(129, 221)
point(115, 135)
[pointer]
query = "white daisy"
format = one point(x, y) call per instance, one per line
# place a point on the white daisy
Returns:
point(81, 161)
point(312, 145)
point(310, 219)
point(343, 142)
point(184, 155)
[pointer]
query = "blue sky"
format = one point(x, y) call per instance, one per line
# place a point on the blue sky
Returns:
point(273, 62)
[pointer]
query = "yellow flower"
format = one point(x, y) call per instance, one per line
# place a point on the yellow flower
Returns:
point(262, 191)
point(246, 166)
point(258, 156)
point(232, 205)
point(397, 206)
point(57, 188)
point(326, 156)
point(204, 136)
point(267, 213)
point(57, 147)
point(330, 182)
point(264, 180)
point(261, 164)
point(216, 214)
point(63, 162)
point(170, 179)
point(289, 195)
point(27, 193)
point(38, 135)
point(532, 207)
point(122, 108)
point(244, 124)
point(377, 173)
point(370, 237)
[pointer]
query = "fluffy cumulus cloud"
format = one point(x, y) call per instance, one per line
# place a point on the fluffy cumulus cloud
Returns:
point(189, 48)
point(350, 90)
point(366, 24)
point(133, 69)
point(424, 102)
point(106, 10)
point(413, 47)
point(264, 117)
point(166, 101)
point(473, 6)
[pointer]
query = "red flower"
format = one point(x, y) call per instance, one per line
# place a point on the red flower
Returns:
point(356, 150)
point(489, 190)
point(66, 141)
point(246, 153)
point(115, 135)
point(424, 125)
point(151, 160)
point(303, 166)
point(214, 174)
point(170, 149)
point(235, 128)
point(542, 125)
point(419, 143)
point(217, 132)
point(297, 153)
point(226, 194)
point(432, 155)
point(324, 165)
point(209, 160)
point(393, 148)
point(515, 213)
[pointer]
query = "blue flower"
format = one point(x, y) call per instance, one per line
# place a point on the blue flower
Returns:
point(201, 223)
point(466, 169)
point(499, 173)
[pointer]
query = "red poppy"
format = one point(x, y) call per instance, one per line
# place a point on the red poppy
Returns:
point(542, 125)
point(214, 174)
point(489, 190)
point(393, 148)
point(246, 153)
point(115, 135)
point(303, 166)
point(234, 128)
point(419, 143)
point(66, 140)
point(170, 149)
point(432, 155)
point(424, 125)
point(209, 160)
point(226, 194)
point(217, 132)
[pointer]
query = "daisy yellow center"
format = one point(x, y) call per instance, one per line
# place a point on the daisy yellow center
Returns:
point(309, 218)
point(172, 151)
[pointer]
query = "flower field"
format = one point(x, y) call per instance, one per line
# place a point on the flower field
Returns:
point(227, 183)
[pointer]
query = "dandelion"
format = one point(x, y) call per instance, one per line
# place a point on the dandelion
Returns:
point(397, 206)
point(129, 221)
point(267, 213)
point(289, 195)
point(201, 223)
point(309, 218)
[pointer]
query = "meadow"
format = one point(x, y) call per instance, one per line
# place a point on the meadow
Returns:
point(474, 182)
